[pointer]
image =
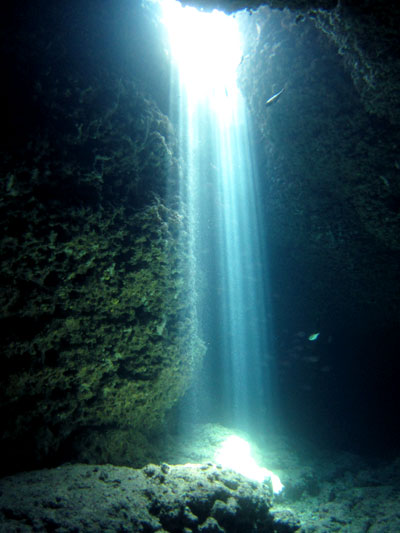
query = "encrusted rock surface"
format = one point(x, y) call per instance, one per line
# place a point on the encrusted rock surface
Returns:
point(330, 168)
point(97, 314)
point(202, 498)
point(366, 35)
point(325, 492)
point(329, 490)
point(340, 492)
point(364, 32)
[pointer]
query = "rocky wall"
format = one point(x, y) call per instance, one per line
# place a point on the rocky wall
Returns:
point(330, 169)
point(364, 32)
point(98, 316)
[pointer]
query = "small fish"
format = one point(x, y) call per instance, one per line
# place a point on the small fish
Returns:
point(313, 336)
point(274, 98)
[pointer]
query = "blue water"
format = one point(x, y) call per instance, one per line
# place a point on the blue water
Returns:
point(219, 186)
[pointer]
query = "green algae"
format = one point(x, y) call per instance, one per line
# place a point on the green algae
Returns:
point(98, 310)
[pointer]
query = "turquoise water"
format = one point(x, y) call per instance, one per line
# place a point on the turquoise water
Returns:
point(220, 188)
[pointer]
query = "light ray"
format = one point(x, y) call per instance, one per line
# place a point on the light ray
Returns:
point(219, 190)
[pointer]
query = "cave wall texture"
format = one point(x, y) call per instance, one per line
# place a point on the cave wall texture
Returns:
point(331, 165)
point(99, 333)
point(330, 149)
point(100, 336)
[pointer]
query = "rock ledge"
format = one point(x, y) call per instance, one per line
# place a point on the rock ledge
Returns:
point(163, 498)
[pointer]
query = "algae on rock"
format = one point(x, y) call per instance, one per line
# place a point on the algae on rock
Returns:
point(96, 305)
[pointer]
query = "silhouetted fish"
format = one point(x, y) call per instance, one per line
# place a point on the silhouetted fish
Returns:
point(274, 98)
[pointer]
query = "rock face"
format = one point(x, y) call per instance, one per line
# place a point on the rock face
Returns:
point(329, 147)
point(330, 172)
point(156, 498)
point(365, 33)
point(366, 36)
point(330, 177)
point(98, 318)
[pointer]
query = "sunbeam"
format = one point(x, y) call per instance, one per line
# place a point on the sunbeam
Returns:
point(225, 221)
point(206, 48)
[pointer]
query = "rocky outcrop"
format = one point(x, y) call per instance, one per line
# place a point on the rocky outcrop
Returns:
point(196, 498)
point(366, 36)
point(97, 312)
point(330, 169)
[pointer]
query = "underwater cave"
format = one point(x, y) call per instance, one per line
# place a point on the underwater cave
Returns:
point(200, 255)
